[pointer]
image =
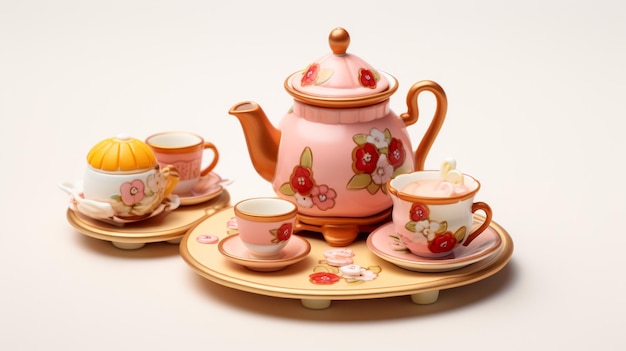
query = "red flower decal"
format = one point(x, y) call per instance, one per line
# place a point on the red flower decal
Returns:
point(442, 243)
point(132, 192)
point(366, 78)
point(396, 153)
point(323, 278)
point(301, 180)
point(419, 212)
point(310, 75)
point(365, 158)
point(284, 232)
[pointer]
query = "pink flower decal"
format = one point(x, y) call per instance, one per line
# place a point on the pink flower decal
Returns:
point(339, 257)
point(365, 158)
point(132, 192)
point(310, 75)
point(367, 78)
point(323, 197)
point(324, 278)
point(419, 212)
point(382, 172)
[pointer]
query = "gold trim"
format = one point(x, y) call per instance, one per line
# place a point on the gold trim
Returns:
point(335, 102)
point(175, 149)
point(433, 200)
point(265, 218)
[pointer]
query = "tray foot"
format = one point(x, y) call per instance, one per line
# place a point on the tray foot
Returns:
point(425, 298)
point(315, 304)
point(128, 246)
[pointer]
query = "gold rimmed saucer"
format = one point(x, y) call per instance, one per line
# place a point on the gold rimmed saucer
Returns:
point(383, 244)
point(295, 251)
point(169, 228)
point(208, 187)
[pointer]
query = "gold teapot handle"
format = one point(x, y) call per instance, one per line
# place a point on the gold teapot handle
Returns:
point(412, 115)
point(171, 176)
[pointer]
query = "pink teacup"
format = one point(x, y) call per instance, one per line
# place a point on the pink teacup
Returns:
point(184, 151)
point(432, 216)
point(265, 225)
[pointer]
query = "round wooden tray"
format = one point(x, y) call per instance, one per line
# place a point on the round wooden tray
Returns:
point(303, 279)
point(168, 227)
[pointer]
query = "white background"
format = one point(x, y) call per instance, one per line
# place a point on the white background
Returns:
point(536, 108)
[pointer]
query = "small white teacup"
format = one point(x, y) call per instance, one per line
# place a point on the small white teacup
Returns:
point(432, 216)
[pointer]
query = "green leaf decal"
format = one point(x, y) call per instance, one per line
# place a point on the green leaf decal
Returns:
point(376, 74)
point(443, 226)
point(360, 139)
point(287, 190)
point(387, 133)
point(306, 159)
point(375, 269)
point(323, 75)
point(373, 188)
point(359, 181)
point(460, 233)
point(400, 170)
point(411, 226)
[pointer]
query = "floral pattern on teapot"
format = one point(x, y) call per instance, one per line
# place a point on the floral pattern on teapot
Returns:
point(303, 187)
point(377, 157)
point(440, 239)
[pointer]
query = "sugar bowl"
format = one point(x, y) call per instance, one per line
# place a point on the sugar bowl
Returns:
point(123, 172)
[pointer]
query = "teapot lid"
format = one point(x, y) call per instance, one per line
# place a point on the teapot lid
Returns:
point(121, 154)
point(340, 79)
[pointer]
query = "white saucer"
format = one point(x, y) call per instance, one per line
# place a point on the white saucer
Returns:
point(168, 204)
point(233, 248)
point(485, 245)
point(208, 187)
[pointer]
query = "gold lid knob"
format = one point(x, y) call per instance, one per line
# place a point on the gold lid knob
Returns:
point(339, 39)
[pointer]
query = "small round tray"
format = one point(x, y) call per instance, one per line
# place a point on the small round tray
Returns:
point(168, 227)
point(316, 283)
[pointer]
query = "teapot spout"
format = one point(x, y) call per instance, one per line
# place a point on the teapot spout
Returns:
point(262, 138)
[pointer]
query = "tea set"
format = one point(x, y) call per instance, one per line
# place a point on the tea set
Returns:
point(342, 167)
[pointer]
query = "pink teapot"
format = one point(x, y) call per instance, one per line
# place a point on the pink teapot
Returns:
point(335, 149)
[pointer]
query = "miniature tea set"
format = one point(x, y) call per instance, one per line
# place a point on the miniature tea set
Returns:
point(364, 220)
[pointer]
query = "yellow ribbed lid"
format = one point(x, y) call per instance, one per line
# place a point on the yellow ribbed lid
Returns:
point(121, 153)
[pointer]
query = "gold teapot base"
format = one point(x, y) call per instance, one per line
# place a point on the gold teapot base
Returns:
point(341, 231)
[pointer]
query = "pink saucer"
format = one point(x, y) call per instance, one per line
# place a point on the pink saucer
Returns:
point(233, 248)
point(382, 245)
point(208, 187)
